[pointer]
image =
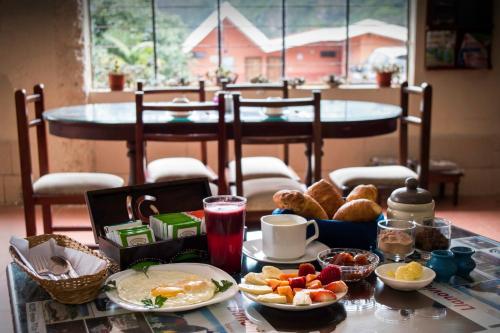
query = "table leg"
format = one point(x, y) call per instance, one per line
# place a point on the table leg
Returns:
point(131, 160)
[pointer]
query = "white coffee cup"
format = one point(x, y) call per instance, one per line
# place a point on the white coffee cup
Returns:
point(284, 236)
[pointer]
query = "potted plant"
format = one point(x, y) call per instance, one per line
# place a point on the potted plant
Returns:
point(297, 81)
point(116, 78)
point(221, 75)
point(259, 79)
point(385, 73)
point(333, 81)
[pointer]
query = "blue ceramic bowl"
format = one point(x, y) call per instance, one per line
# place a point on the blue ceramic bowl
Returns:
point(334, 233)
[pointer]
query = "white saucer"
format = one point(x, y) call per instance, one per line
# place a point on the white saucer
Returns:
point(253, 249)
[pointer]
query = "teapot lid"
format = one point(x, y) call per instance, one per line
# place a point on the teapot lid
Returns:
point(411, 194)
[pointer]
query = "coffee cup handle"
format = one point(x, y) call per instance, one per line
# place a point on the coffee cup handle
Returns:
point(316, 232)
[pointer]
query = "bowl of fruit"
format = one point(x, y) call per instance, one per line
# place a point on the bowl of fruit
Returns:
point(355, 264)
point(294, 289)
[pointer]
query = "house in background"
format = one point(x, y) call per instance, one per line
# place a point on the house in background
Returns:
point(312, 54)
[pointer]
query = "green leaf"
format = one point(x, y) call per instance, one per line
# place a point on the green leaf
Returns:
point(159, 301)
point(143, 267)
point(111, 285)
point(221, 286)
point(148, 303)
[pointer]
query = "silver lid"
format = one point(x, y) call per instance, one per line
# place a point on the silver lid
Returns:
point(411, 194)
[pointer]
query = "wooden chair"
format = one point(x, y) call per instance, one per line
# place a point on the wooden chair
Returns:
point(389, 177)
point(281, 167)
point(259, 191)
point(178, 167)
point(200, 91)
point(50, 188)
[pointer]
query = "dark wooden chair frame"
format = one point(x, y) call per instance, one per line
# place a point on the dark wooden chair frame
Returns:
point(313, 139)
point(200, 90)
point(283, 87)
point(423, 121)
point(142, 134)
point(30, 199)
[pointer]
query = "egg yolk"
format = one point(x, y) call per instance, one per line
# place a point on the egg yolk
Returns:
point(195, 286)
point(166, 291)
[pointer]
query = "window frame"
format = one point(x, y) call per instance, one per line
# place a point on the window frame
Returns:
point(220, 43)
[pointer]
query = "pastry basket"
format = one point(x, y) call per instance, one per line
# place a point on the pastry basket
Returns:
point(68, 291)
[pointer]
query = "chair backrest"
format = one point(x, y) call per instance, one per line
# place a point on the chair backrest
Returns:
point(200, 90)
point(283, 87)
point(23, 101)
point(143, 134)
point(423, 120)
point(240, 137)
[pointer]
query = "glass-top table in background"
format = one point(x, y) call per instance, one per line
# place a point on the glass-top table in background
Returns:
point(369, 306)
point(116, 121)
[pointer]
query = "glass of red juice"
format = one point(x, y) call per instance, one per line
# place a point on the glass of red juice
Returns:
point(225, 221)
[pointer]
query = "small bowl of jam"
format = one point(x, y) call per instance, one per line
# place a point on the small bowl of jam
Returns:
point(355, 264)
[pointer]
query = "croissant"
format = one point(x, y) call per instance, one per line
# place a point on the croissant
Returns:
point(326, 195)
point(300, 203)
point(358, 210)
point(369, 192)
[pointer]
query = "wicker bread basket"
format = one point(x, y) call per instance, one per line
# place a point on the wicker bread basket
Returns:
point(68, 291)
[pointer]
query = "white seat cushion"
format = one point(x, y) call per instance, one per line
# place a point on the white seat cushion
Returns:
point(69, 183)
point(171, 168)
point(262, 167)
point(386, 175)
point(259, 192)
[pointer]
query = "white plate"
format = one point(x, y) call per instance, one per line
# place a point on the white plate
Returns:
point(253, 249)
point(180, 114)
point(291, 307)
point(274, 112)
point(204, 270)
point(381, 272)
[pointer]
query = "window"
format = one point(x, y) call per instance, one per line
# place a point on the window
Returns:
point(163, 41)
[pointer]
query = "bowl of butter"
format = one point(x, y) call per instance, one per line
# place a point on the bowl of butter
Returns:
point(405, 277)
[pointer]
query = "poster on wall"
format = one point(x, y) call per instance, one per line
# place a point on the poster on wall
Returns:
point(440, 49)
point(473, 51)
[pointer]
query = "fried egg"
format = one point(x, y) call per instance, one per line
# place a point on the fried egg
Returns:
point(179, 288)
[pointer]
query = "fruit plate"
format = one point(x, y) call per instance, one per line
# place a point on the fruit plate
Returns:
point(202, 270)
point(291, 307)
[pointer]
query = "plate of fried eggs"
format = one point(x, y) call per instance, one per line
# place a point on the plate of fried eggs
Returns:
point(170, 287)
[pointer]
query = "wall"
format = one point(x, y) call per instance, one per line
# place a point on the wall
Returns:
point(49, 49)
point(40, 41)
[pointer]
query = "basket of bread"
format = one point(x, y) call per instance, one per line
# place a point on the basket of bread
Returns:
point(343, 222)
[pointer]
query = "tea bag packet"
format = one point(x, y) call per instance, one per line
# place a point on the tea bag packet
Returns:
point(111, 231)
point(176, 225)
point(136, 236)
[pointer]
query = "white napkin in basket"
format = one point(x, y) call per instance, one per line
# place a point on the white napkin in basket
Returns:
point(83, 263)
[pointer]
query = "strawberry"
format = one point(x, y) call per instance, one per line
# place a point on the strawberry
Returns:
point(306, 268)
point(297, 282)
point(329, 274)
point(336, 286)
point(322, 296)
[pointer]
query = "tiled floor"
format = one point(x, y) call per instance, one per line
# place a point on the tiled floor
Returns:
point(477, 214)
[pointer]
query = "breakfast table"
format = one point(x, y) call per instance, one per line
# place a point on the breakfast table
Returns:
point(369, 306)
point(116, 122)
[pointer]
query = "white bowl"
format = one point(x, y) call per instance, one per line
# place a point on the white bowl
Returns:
point(427, 277)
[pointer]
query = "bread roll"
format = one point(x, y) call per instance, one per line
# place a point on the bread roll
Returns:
point(326, 195)
point(369, 192)
point(301, 204)
point(359, 210)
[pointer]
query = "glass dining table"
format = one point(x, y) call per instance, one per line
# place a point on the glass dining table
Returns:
point(116, 121)
point(369, 306)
